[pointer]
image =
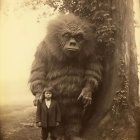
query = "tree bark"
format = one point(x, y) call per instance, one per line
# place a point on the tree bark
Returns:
point(114, 106)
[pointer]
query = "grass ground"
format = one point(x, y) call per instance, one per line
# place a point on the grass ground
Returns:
point(18, 123)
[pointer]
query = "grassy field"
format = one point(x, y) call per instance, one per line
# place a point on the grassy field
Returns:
point(18, 123)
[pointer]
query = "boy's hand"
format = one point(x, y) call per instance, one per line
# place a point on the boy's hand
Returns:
point(38, 124)
point(57, 123)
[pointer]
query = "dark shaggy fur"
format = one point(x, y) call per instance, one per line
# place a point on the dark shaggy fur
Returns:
point(68, 76)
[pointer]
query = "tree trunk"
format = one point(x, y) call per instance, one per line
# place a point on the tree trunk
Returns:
point(113, 110)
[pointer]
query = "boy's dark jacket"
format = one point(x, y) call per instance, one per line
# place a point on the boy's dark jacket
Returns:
point(43, 113)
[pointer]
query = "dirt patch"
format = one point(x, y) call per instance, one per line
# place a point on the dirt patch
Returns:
point(18, 123)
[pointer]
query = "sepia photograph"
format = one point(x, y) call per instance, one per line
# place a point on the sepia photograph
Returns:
point(69, 69)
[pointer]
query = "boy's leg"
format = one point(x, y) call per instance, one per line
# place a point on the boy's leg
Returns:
point(44, 133)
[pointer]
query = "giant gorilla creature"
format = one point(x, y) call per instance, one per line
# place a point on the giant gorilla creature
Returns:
point(67, 61)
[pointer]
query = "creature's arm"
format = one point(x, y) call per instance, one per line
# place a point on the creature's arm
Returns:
point(38, 72)
point(93, 76)
point(38, 113)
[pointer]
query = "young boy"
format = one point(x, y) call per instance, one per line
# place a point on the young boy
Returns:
point(48, 115)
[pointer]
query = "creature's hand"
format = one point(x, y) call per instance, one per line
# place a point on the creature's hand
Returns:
point(85, 97)
point(37, 99)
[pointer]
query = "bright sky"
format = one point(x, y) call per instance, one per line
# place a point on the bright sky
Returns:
point(20, 33)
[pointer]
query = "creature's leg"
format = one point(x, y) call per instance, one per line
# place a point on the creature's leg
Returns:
point(73, 127)
point(71, 117)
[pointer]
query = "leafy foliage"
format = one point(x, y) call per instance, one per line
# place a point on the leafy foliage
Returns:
point(98, 13)
point(120, 103)
point(95, 11)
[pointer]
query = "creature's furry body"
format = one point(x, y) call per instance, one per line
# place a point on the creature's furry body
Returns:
point(68, 76)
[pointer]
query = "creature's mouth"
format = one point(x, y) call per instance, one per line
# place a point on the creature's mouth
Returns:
point(71, 52)
point(74, 50)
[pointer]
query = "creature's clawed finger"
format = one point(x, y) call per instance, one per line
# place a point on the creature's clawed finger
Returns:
point(87, 101)
point(80, 96)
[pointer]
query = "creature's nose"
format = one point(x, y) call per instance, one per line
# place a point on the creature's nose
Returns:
point(73, 43)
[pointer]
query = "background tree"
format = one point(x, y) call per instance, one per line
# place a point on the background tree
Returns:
point(115, 108)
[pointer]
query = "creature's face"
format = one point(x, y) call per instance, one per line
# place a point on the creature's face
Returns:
point(70, 35)
point(72, 42)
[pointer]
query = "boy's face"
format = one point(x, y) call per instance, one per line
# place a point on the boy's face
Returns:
point(48, 95)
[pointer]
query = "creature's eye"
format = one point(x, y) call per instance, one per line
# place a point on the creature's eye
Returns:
point(67, 35)
point(79, 37)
